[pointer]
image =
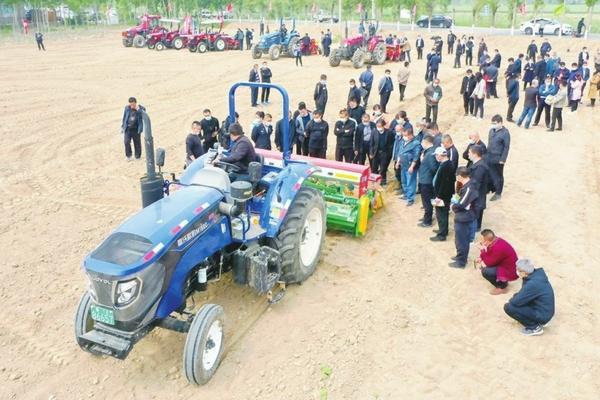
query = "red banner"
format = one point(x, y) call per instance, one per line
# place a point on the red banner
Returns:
point(359, 8)
point(229, 8)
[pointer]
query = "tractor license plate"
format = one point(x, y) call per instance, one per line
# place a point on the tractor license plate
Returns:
point(103, 315)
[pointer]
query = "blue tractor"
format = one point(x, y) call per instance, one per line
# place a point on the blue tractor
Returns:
point(281, 42)
point(267, 230)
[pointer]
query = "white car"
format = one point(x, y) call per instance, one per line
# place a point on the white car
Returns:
point(550, 26)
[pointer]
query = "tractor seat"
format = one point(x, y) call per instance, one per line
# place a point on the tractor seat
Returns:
point(213, 177)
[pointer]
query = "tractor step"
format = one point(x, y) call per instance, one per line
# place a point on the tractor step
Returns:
point(108, 344)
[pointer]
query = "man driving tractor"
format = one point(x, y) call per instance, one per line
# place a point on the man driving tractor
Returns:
point(241, 154)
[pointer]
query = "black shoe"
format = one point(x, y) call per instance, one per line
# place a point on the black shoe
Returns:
point(510, 120)
point(550, 130)
point(438, 238)
point(436, 231)
point(496, 197)
point(535, 124)
point(456, 264)
point(424, 225)
point(454, 258)
point(559, 129)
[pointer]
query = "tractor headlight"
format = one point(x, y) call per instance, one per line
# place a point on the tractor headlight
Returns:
point(127, 292)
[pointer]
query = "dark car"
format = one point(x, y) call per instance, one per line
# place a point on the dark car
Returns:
point(437, 21)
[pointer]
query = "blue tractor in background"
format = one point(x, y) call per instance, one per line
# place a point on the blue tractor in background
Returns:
point(268, 231)
point(278, 43)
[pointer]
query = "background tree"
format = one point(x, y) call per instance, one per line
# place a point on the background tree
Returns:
point(590, 6)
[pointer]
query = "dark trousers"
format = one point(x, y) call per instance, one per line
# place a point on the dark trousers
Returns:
point(380, 164)
point(491, 89)
point(429, 110)
point(573, 104)
point(469, 58)
point(208, 144)
point(317, 153)
point(468, 104)
point(479, 219)
point(433, 73)
point(345, 155)
point(441, 214)
point(450, 48)
point(407, 53)
point(363, 154)
point(383, 100)
point(326, 51)
point(419, 53)
point(524, 315)
point(462, 236)
point(137, 143)
point(497, 177)
point(253, 96)
point(402, 89)
point(321, 107)
point(264, 95)
point(511, 109)
point(41, 45)
point(490, 274)
point(457, 61)
point(241, 44)
point(248, 44)
point(478, 107)
point(302, 147)
point(556, 116)
point(299, 59)
point(426, 197)
point(546, 109)
point(365, 98)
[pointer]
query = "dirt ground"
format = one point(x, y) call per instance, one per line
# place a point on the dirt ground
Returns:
point(383, 315)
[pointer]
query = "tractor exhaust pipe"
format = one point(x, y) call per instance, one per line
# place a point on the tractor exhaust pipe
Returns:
point(151, 183)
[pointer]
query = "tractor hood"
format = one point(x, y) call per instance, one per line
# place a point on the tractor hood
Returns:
point(146, 235)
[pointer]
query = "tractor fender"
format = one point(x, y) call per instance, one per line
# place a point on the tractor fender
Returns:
point(281, 195)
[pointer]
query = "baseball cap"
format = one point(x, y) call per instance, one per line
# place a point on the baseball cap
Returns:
point(440, 151)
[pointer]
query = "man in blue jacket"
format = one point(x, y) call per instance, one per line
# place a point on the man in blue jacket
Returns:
point(533, 305)
point(386, 86)
point(545, 48)
point(406, 157)
point(545, 90)
point(366, 82)
point(427, 169)
point(131, 128)
point(262, 131)
point(464, 207)
point(512, 92)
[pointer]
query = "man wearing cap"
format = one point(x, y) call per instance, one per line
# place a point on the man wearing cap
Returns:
point(533, 305)
point(443, 189)
point(497, 260)
point(464, 208)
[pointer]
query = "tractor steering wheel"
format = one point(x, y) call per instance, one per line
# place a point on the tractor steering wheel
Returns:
point(227, 167)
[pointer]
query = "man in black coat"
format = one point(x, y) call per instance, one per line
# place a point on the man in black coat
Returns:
point(362, 140)
point(344, 130)
point(469, 51)
point(533, 305)
point(210, 130)
point(254, 77)
point(448, 144)
point(539, 69)
point(326, 43)
point(427, 170)
point(451, 39)
point(320, 95)
point(249, 36)
point(317, 131)
point(480, 179)
point(443, 189)
point(496, 155)
point(241, 153)
point(497, 59)
point(532, 50)
point(355, 111)
point(193, 144)
point(466, 89)
point(464, 215)
point(419, 44)
point(474, 139)
point(382, 141)
point(132, 127)
point(265, 76)
point(354, 92)
point(291, 133)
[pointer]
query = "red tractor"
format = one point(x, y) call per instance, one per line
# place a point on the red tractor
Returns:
point(393, 52)
point(176, 39)
point(211, 40)
point(313, 48)
point(136, 36)
point(360, 50)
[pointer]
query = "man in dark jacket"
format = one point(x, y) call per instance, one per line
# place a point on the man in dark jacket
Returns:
point(512, 92)
point(496, 155)
point(344, 131)
point(533, 305)
point(193, 144)
point(460, 50)
point(301, 117)
point(265, 76)
point(354, 92)
point(254, 77)
point(433, 94)
point(366, 82)
point(239, 36)
point(381, 150)
point(532, 50)
point(386, 86)
point(210, 130)
point(362, 141)
point(262, 131)
point(419, 44)
point(497, 59)
point(545, 90)
point(466, 89)
point(492, 80)
point(539, 69)
point(480, 180)
point(545, 48)
point(529, 104)
point(433, 66)
point(451, 39)
point(291, 133)
point(326, 43)
point(427, 169)
point(443, 189)
point(131, 128)
point(474, 139)
point(316, 133)
point(249, 36)
point(355, 111)
point(448, 144)
point(320, 95)
point(241, 153)
point(464, 214)
point(469, 51)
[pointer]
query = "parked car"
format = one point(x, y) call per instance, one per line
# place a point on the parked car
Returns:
point(322, 16)
point(551, 27)
point(437, 21)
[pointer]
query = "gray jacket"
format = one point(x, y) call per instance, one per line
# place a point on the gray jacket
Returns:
point(560, 98)
point(498, 145)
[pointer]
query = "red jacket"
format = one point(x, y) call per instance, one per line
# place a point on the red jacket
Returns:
point(501, 255)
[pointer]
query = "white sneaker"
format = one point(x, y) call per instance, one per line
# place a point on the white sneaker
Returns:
point(538, 330)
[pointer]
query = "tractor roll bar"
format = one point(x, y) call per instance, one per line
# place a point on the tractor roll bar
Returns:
point(286, 109)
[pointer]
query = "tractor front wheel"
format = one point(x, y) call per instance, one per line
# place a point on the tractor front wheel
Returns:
point(127, 42)
point(301, 236)
point(84, 322)
point(291, 45)
point(178, 43)
point(256, 52)
point(334, 58)
point(220, 44)
point(274, 52)
point(358, 59)
point(151, 45)
point(192, 48)
point(204, 344)
point(160, 46)
point(139, 41)
point(202, 47)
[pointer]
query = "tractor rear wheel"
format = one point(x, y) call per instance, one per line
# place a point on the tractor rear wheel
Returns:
point(301, 236)
point(256, 52)
point(274, 52)
point(202, 47)
point(139, 41)
point(127, 42)
point(177, 43)
point(291, 45)
point(379, 54)
point(84, 322)
point(358, 59)
point(220, 44)
point(334, 58)
point(204, 344)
